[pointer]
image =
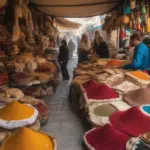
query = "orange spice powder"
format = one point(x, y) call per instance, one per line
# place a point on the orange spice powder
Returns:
point(115, 62)
point(16, 111)
point(27, 139)
point(141, 75)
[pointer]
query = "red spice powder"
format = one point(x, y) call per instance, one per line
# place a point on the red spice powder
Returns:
point(101, 92)
point(106, 138)
point(127, 121)
point(91, 84)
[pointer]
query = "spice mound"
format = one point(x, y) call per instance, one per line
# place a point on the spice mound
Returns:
point(16, 111)
point(16, 115)
point(115, 63)
point(138, 97)
point(141, 75)
point(26, 139)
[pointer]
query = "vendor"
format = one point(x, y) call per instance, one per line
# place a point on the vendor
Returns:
point(141, 59)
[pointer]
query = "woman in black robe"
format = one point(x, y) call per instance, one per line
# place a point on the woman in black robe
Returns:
point(63, 58)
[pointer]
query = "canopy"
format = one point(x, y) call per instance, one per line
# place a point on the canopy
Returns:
point(66, 24)
point(75, 8)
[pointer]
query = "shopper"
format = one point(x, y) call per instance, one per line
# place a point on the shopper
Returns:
point(100, 46)
point(84, 49)
point(71, 47)
point(63, 58)
point(141, 59)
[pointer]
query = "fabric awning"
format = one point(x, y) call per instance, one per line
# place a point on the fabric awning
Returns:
point(66, 24)
point(75, 8)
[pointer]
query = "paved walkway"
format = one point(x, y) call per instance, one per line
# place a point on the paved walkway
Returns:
point(63, 124)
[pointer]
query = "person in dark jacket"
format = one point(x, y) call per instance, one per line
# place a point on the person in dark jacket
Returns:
point(100, 46)
point(63, 58)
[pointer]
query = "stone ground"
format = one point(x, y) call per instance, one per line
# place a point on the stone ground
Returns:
point(63, 123)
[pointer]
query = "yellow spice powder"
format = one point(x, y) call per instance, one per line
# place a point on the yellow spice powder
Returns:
point(16, 111)
point(141, 75)
point(27, 139)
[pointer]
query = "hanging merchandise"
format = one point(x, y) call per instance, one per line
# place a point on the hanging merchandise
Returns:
point(126, 8)
point(122, 33)
point(148, 25)
point(124, 20)
point(132, 4)
point(131, 24)
point(134, 25)
point(138, 21)
point(143, 9)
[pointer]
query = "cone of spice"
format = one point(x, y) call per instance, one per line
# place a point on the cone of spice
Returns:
point(139, 76)
point(15, 115)
point(27, 139)
point(98, 92)
point(138, 97)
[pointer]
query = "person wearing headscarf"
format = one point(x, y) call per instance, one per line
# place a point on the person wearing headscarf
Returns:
point(63, 58)
point(100, 46)
point(71, 47)
point(84, 49)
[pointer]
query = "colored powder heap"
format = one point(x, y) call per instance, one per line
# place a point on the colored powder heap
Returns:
point(126, 121)
point(114, 63)
point(89, 85)
point(138, 97)
point(101, 92)
point(16, 111)
point(106, 138)
point(27, 139)
point(141, 75)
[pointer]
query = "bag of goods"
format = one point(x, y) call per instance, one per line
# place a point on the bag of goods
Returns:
point(137, 97)
point(42, 77)
point(22, 78)
point(125, 87)
point(11, 94)
point(27, 139)
point(39, 105)
point(15, 115)
point(45, 67)
point(94, 92)
point(115, 63)
point(4, 79)
point(105, 138)
point(114, 80)
point(31, 65)
point(40, 60)
point(139, 77)
point(99, 112)
point(125, 121)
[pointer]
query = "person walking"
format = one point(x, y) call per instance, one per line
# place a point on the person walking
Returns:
point(71, 47)
point(84, 49)
point(63, 58)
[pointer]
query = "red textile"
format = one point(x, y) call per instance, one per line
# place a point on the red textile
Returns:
point(99, 91)
point(132, 121)
point(106, 138)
